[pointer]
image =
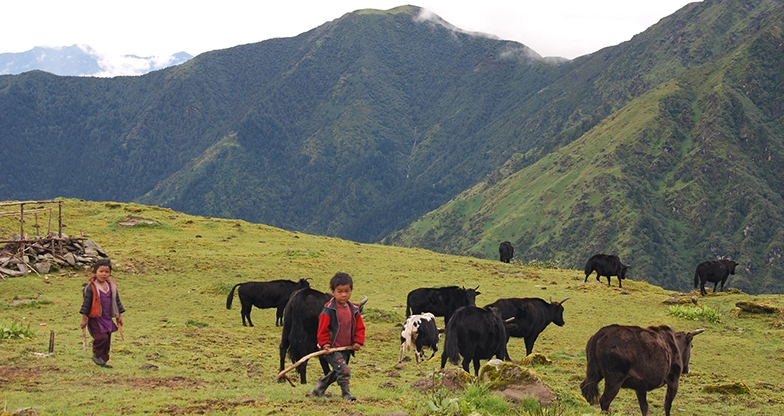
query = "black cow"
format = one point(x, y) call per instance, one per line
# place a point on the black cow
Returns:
point(475, 334)
point(636, 358)
point(532, 315)
point(300, 328)
point(713, 271)
point(506, 252)
point(606, 265)
point(272, 294)
point(442, 301)
point(419, 331)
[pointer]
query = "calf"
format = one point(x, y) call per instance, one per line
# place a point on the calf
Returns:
point(531, 317)
point(272, 294)
point(606, 265)
point(713, 271)
point(506, 252)
point(475, 334)
point(442, 301)
point(636, 358)
point(419, 331)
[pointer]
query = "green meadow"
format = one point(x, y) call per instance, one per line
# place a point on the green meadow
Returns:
point(185, 353)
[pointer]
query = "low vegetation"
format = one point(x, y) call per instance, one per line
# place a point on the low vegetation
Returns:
point(185, 353)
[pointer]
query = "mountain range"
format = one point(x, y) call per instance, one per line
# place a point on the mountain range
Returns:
point(82, 60)
point(390, 126)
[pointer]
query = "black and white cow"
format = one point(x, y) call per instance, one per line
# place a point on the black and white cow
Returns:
point(419, 331)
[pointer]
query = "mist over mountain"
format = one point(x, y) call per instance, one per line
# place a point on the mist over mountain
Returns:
point(396, 126)
point(81, 60)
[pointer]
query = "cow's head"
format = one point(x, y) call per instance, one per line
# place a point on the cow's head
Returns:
point(303, 283)
point(558, 311)
point(471, 295)
point(362, 303)
point(732, 265)
point(683, 340)
point(624, 268)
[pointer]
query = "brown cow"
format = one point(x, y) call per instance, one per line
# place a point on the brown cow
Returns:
point(636, 358)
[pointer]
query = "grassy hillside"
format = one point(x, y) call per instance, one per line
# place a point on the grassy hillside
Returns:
point(174, 275)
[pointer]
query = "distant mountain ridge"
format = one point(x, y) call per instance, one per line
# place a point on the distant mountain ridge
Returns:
point(664, 149)
point(81, 60)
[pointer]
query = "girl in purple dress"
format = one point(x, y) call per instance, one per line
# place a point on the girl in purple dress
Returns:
point(101, 303)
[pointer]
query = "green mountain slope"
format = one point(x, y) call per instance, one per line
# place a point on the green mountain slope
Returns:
point(364, 124)
point(688, 172)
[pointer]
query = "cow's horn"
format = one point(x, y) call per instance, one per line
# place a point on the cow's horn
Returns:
point(364, 301)
point(561, 302)
point(477, 287)
point(510, 319)
point(307, 278)
point(697, 331)
point(551, 298)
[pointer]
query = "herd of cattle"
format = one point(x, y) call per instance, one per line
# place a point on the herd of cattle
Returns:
point(631, 357)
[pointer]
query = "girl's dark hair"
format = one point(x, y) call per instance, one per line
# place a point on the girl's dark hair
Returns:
point(102, 262)
point(340, 279)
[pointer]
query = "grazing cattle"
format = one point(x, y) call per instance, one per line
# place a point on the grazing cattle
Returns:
point(442, 301)
point(475, 334)
point(713, 271)
point(636, 358)
point(506, 252)
point(532, 315)
point(419, 331)
point(272, 294)
point(300, 328)
point(606, 265)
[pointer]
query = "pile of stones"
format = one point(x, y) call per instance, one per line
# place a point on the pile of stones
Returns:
point(48, 253)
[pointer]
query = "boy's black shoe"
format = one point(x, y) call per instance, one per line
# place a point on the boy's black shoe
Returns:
point(321, 386)
point(344, 388)
point(99, 361)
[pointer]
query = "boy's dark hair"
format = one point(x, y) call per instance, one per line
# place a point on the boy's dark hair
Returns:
point(340, 279)
point(102, 262)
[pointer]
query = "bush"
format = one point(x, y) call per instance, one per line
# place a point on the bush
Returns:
point(696, 313)
point(14, 330)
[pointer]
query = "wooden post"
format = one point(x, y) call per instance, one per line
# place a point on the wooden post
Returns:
point(51, 341)
point(49, 228)
point(21, 224)
point(60, 217)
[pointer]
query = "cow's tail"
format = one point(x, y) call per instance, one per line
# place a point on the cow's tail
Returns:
point(231, 296)
point(593, 375)
point(589, 266)
point(451, 348)
point(696, 278)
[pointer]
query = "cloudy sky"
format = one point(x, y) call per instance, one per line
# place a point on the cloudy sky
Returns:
point(567, 28)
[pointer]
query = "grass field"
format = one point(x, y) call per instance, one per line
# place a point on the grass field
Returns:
point(185, 353)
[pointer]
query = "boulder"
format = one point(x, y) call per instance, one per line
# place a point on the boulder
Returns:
point(70, 258)
point(497, 374)
point(756, 307)
point(730, 388)
point(43, 267)
point(536, 359)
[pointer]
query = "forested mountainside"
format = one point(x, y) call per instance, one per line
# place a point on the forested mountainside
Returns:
point(689, 171)
point(359, 127)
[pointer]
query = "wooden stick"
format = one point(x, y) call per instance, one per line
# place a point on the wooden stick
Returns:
point(309, 356)
point(84, 341)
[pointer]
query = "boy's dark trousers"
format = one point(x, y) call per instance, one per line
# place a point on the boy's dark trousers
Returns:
point(102, 341)
point(340, 372)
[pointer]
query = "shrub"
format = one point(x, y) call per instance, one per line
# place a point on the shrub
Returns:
point(14, 330)
point(696, 313)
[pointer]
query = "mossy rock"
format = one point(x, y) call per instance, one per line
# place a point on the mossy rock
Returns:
point(731, 388)
point(680, 300)
point(757, 307)
point(536, 359)
point(497, 375)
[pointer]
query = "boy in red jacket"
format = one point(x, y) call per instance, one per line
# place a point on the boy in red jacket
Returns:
point(340, 325)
